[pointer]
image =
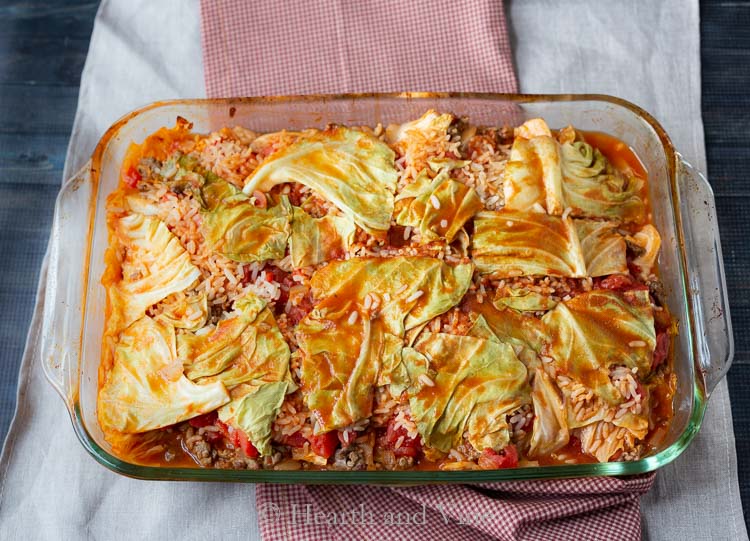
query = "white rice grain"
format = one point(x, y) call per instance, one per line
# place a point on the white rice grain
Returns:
point(414, 296)
point(424, 379)
point(232, 279)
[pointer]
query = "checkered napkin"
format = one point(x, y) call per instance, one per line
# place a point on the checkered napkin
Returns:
point(269, 47)
point(563, 510)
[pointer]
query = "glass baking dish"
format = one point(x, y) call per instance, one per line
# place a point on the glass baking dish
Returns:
point(684, 212)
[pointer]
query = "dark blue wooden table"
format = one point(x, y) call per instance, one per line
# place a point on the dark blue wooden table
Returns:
point(43, 47)
point(725, 60)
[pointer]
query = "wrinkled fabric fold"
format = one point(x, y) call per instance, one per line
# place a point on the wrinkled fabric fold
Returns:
point(567, 509)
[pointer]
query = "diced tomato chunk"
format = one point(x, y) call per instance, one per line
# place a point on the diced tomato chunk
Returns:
point(224, 428)
point(296, 440)
point(411, 448)
point(206, 419)
point(634, 269)
point(492, 460)
point(616, 282)
point(280, 276)
point(324, 444)
point(408, 446)
point(239, 439)
point(297, 313)
point(662, 349)
point(132, 177)
point(243, 442)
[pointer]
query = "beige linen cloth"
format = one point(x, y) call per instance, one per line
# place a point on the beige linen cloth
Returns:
point(141, 51)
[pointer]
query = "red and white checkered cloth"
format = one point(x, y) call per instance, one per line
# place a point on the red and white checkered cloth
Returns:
point(270, 47)
point(563, 510)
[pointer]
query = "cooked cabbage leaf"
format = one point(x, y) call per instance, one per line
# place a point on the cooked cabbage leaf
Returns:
point(532, 179)
point(146, 389)
point(594, 330)
point(315, 240)
point(254, 412)
point(525, 333)
point(235, 228)
point(352, 339)
point(594, 189)
point(509, 244)
point(534, 127)
point(351, 169)
point(523, 300)
point(155, 266)
point(477, 382)
point(545, 174)
point(550, 429)
point(456, 204)
point(419, 288)
point(648, 241)
point(141, 205)
point(603, 247)
point(245, 347)
point(446, 164)
point(342, 362)
point(412, 135)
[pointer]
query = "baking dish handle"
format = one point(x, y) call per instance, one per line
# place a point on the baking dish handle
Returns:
point(707, 284)
point(62, 318)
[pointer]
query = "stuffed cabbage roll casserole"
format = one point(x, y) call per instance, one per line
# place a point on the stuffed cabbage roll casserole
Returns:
point(429, 295)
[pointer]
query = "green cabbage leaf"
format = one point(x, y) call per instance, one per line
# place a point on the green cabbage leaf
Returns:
point(353, 170)
point(146, 389)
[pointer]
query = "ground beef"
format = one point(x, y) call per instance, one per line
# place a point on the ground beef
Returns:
point(389, 461)
point(656, 288)
point(208, 450)
point(351, 458)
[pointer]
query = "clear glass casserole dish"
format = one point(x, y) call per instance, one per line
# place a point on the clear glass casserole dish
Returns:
point(691, 264)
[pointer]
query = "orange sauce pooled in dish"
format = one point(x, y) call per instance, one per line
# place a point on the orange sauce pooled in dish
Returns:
point(620, 155)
